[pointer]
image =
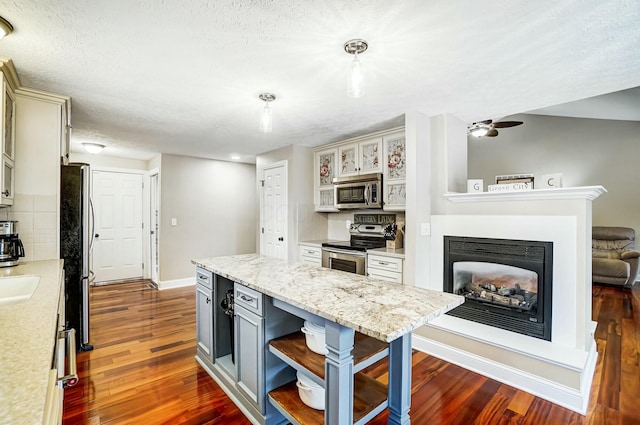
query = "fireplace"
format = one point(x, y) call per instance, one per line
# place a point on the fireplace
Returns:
point(506, 283)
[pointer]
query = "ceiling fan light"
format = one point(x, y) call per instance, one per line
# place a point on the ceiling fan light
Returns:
point(479, 131)
point(93, 148)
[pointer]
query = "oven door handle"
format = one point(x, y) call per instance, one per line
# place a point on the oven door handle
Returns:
point(71, 378)
point(344, 251)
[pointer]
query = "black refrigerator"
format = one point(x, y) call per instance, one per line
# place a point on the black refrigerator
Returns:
point(75, 247)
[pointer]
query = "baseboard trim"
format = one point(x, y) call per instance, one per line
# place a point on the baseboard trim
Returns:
point(570, 398)
point(176, 283)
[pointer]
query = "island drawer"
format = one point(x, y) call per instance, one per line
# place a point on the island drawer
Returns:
point(204, 277)
point(311, 251)
point(310, 255)
point(386, 263)
point(248, 298)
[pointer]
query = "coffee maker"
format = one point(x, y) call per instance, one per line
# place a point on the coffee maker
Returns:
point(11, 248)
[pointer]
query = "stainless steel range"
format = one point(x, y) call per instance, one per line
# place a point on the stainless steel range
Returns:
point(367, 232)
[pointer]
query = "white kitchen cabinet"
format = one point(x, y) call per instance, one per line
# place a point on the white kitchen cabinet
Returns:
point(7, 181)
point(385, 267)
point(382, 152)
point(38, 130)
point(395, 172)
point(363, 157)
point(310, 255)
point(65, 132)
point(8, 143)
point(325, 166)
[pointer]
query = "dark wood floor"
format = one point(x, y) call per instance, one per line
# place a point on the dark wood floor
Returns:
point(142, 370)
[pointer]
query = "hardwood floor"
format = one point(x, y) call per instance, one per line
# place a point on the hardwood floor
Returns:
point(142, 370)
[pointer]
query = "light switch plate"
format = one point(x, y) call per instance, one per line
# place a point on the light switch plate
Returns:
point(174, 221)
point(425, 229)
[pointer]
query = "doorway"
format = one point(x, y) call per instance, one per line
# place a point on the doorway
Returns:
point(275, 211)
point(154, 219)
point(117, 198)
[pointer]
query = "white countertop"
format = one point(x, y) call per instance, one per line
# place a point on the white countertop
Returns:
point(317, 243)
point(27, 333)
point(380, 309)
point(389, 252)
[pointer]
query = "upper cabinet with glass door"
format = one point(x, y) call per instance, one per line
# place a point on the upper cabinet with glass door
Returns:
point(382, 152)
point(8, 143)
point(325, 165)
point(362, 157)
point(395, 172)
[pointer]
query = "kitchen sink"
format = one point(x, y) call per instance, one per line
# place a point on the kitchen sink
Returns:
point(14, 289)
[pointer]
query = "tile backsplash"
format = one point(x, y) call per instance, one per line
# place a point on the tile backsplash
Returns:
point(37, 218)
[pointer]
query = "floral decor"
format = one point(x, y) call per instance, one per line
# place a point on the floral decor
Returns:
point(397, 194)
point(326, 169)
point(348, 161)
point(370, 156)
point(396, 159)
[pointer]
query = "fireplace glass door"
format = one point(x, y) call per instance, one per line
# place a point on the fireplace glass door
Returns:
point(497, 284)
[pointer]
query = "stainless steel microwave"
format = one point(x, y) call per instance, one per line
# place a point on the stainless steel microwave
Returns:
point(358, 192)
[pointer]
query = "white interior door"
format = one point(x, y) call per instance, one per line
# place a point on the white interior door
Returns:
point(275, 212)
point(117, 198)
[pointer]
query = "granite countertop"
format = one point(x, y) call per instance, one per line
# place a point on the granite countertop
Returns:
point(382, 310)
point(27, 336)
point(317, 243)
point(389, 252)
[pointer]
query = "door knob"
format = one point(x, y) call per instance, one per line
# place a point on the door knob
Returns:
point(97, 235)
point(281, 239)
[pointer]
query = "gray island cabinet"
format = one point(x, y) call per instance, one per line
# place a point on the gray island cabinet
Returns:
point(255, 356)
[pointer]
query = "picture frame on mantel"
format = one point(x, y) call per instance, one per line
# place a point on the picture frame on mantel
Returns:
point(516, 178)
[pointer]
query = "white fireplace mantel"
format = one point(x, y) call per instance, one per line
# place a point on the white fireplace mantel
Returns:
point(560, 193)
point(560, 370)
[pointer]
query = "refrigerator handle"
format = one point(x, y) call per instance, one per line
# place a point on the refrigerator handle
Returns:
point(93, 225)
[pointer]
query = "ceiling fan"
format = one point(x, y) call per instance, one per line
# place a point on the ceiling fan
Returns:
point(488, 128)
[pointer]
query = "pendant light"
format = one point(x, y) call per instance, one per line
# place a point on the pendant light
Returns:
point(5, 27)
point(355, 81)
point(266, 120)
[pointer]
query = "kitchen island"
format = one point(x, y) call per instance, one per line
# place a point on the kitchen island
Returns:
point(348, 305)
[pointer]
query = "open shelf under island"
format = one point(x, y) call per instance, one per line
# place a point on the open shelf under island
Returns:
point(365, 321)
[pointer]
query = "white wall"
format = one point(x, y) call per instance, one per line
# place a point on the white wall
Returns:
point(588, 152)
point(214, 204)
point(436, 164)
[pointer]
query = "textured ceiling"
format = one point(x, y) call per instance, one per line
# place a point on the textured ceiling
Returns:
point(183, 76)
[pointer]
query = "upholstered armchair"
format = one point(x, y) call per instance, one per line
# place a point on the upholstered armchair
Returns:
point(614, 257)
